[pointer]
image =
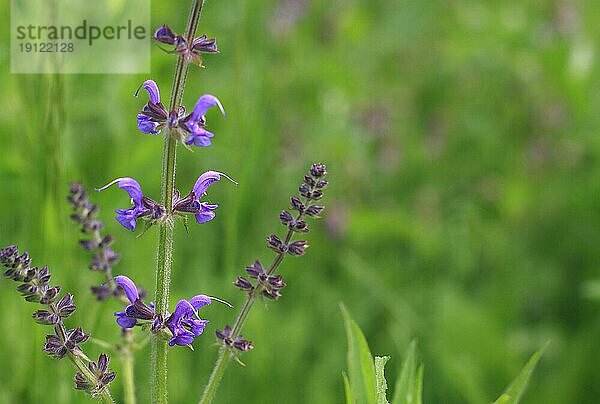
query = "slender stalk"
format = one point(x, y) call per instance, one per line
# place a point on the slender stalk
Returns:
point(225, 353)
point(127, 359)
point(165, 235)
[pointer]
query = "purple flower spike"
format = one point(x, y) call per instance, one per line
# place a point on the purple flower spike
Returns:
point(142, 205)
point(194, 123)
point(184, 323)
point(153, 117)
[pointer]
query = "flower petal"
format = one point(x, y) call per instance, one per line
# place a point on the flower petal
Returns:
point(124, 321)
point(131, 186)
point(204, 181)
point(126, 218)
point(200, 137)
point(199, 301)
point(203, 104)
point(145, 125)
point(128, 287)
point(184, 338)
point(183, 309)
point(152, 89)
point(165, 34)
point(204, 216)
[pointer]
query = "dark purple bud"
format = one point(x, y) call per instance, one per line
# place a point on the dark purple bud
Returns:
point(77, 336)
point(318, 170)
point(50, 295)
point(225, 334)
point(276, 281)
point(310, 181)
point(256, 269)
point(297, 204)
point(65, 306)
point(286, 217)
point(300, 226)
point(111, 256)
point(242, 344)
point(205, 44)
point(107, 378)
point(88, 244)
point(316, 195)
point(272, 294)
point(297, 247)
point(102, 292)
point(54, 347)
point(314, 210)
point(322, 184)
point(275, 243)
point(304, 191)
point(103, 361)
point(106, 241)
point(164, 34)
point(43, 275)
point(82, 383)
point(45, 317)
point(243, 284)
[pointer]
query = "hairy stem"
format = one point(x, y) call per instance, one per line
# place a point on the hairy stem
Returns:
point(225, 353)
point(165, 235)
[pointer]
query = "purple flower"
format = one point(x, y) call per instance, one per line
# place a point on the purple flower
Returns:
point(142, 205)
point(204, 44)
point(190, 128)
point(137, 310)
point(203, 211)
point(184, 323)
point(166, 35)
point(195, 122)
point(153, 117)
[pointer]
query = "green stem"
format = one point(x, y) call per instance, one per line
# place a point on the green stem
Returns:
point(165, 235)
point(127, 359)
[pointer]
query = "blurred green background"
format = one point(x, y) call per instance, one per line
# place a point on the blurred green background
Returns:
point(462, 141)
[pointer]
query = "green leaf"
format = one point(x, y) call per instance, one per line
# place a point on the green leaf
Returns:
point(419, 385)
point(514, 392)
point(349, 396)
point(381, 385)
point(404, 391)
point(361, 370)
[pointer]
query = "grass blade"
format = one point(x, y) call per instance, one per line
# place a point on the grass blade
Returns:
point(361, 370)
point(515, 390)
point(404, 391)
point(349, 396)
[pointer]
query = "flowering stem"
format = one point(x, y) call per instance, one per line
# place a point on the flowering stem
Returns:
point(226, 352)
point(165, 235)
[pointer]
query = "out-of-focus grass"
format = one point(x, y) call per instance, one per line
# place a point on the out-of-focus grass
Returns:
point(462, 141)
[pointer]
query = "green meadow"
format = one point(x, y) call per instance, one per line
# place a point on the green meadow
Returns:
point(462, 141)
